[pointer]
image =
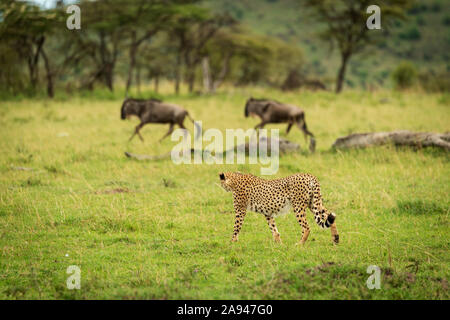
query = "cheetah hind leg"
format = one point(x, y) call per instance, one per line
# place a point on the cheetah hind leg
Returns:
point(300, 214)
point(273, 228)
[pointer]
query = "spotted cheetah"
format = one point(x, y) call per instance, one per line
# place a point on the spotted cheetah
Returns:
point(276, 197)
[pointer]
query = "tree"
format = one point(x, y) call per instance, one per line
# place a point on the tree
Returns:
point(245, 57)
point(345, 22)
point(25, 28)
point(193, 27)
point(144, 19)
point(100, 40)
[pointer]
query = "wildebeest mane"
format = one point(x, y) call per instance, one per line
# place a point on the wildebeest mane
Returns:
point(122, 110)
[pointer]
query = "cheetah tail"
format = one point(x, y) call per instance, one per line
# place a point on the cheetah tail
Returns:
point(327, 222)
point(330, 220)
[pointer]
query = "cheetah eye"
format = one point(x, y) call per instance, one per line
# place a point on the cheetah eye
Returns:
point(222, 176)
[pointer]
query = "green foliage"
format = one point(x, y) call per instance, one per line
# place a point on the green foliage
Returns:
point(99, 55)
point(446, 20)
point(405, 75)
point(289, 19)
point(412, 33)
point(255, 58)
point(345, 26)
point(435, 82)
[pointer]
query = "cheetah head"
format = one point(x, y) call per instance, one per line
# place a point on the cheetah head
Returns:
point(225, 181)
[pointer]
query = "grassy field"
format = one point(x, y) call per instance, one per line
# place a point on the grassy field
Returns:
point(155, 230)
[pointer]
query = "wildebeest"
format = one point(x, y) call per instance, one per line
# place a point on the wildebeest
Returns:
point(271, 111)
point(155, 111)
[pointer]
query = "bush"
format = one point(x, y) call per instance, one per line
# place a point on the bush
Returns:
point(446, 21)
point(410, 34)
point(404, 76)
point(432, 82)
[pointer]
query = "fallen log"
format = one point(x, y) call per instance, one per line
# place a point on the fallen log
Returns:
point(285, 146)
point(398, 138)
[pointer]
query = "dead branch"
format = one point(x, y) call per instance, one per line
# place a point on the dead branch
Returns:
point(285, 146)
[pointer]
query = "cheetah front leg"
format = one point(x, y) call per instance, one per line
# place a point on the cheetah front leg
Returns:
point(300, 214)
point(273, 228)
point(240, 210)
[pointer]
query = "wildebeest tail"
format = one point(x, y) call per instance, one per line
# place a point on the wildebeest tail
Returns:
point(197, 129)
point(302, 125)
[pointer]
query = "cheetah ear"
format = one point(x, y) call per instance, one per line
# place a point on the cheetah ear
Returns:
point(222, 176)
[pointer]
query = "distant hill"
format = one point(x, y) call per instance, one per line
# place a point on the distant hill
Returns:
point(423, 39)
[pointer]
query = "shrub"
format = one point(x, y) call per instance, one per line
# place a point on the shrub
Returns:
point(411, 34)
point(404, 76)
point(446, 21)
point(432, 82)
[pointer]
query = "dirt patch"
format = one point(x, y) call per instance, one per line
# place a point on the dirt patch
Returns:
point(410, 277)
point(419, 207)
point(113, 191)
point(319, 269)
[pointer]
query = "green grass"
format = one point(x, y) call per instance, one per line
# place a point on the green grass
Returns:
point(161, 231)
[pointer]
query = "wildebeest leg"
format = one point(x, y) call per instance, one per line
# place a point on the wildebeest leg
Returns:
point(168, 132)
point(289, 127)
point(184, 128)
point(260, 125)
point(136, 131)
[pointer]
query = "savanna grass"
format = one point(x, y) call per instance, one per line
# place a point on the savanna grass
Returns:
point(156, 230)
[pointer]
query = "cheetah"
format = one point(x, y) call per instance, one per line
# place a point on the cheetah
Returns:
point(276, 197)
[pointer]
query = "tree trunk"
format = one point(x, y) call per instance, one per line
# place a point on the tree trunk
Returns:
point(191, 78)
point(178, 74)
point(133, 50)
point(156, 84)
point(190, 70)
point(109, 77)
point(341, 74)
point(49, 74)
point(398, 138)
point(223, 73)
point(108, 60)
point(138, 79)
point(206, 75)
point(33, 61)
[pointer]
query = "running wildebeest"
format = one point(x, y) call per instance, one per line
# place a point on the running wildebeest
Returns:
point(271, 111)
point(155, 111)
